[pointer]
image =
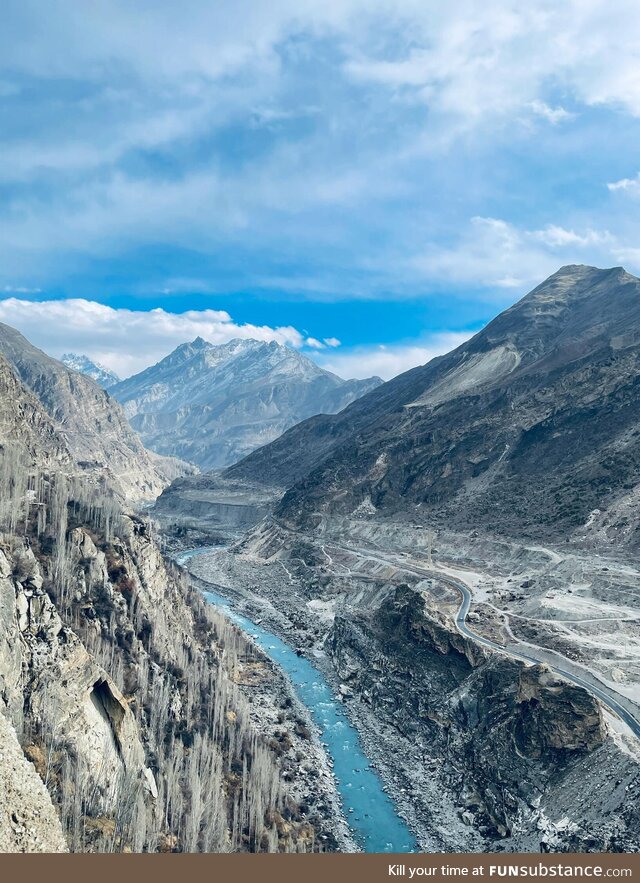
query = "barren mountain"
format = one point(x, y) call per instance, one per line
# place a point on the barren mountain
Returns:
point(125, 715)
point(211, 405)
point(92, 424)
point(528, 429)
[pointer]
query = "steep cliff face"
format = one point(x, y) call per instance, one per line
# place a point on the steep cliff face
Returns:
point(123, 688)
point(555, 716)
point(521, 750)
point(28, 819)
point(73, 721)
point(92, 424)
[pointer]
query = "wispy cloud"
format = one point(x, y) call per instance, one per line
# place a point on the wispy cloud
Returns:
point(388, 361)
point(494, 253)
point(629, 185)
point(554, 115)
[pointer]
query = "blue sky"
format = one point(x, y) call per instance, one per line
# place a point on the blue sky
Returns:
point(385, 175)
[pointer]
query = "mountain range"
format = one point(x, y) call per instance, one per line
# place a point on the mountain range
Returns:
point(212, 405)
point(461, 545)
point(477, 680)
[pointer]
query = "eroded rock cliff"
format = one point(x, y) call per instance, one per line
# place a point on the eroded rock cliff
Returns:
point(28, 819)
point(124, 690)
point(524, 754)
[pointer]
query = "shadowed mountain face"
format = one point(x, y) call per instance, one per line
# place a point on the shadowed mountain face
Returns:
point(212, 405)
point(526, 429)
point(26, 426)
point(91, 424)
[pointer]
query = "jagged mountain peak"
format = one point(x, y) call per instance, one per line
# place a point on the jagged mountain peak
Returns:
point(102, 375)
point(579, 306)
point(213, 403)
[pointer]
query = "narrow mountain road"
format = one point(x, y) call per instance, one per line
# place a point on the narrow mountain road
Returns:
point(624, 708)
point(606, 695)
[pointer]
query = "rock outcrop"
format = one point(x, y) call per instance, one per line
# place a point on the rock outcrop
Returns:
point(556, 716)
point(91, 423)
point(28, 819)
point(60, 699)
point(519, 749)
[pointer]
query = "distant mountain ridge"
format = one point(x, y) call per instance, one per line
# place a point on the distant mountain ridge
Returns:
point(102, 375)
point(213, 404)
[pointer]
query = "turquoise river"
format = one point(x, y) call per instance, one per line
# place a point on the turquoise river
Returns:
point(371, 814)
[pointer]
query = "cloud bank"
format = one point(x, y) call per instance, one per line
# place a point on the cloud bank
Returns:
point(332, 142)
point(127, 340)
point(388, 361)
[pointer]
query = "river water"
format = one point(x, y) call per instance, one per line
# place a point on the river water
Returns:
point(371, 814)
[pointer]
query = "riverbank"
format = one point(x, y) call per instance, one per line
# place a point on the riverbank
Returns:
point(283, 721)
point(376, 823)
point(412, 777)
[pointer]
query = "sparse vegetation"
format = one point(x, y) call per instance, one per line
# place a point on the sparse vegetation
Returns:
point(219, 786)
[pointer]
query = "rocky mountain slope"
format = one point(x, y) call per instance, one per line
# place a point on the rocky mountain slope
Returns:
point(103, 376)
point(91, 423)
point(527, 429)
point(28, 819)
point(211, 405)
point(124, 715)
point(518, 750)
point(25, 427)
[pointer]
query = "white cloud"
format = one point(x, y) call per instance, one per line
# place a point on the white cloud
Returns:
point(554, 115)
point(20, 289)
point(127, 340)
point(629, 257)
point(558, 237)
point(125, 83)
point(388, 361)
point(493, 252)
point(631, 185)
point(477, 61)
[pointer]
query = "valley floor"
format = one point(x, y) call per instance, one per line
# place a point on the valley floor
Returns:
point(533, 598)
